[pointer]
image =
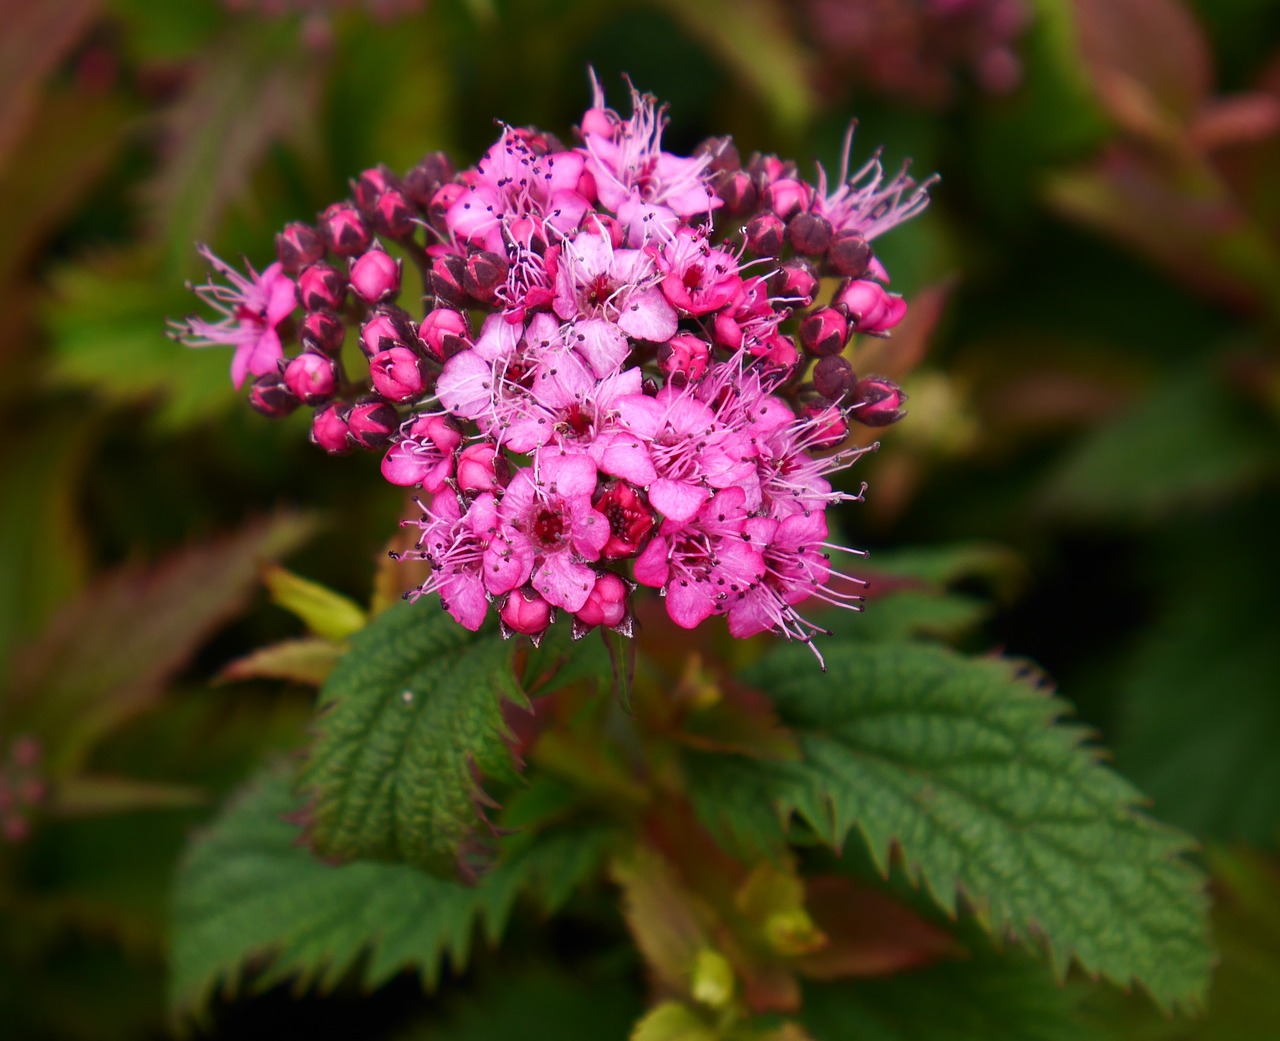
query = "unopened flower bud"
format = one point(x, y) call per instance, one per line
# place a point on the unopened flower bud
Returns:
point(606, 603)
point(388, 327)
point(849, 254)
point(393, 214)
point(312, 377)
point(524, 611)
point(824, 332)
point(297, 246)
point(370, 185)
point(833, 377)
point(444, 332)
point(270, 396)
point(321, 287)
point(630, 520)
point(778, 350)
point(795, 282)
point(448, 279)
point(787, 196)
point(809, 234)
point(375, 276)
point(445, 196)
point(483, 273)
point(683, 358)
point(329, 429)
point(726, 331)
point(870, 307)
point(724, 154)
point(398, 374)
point(481, 468)
point(737, 189)
point(599, 122)
point(344, 231)
point(372, 422)
point(877, 402)
point(829, 427)
point(765, 235)
point(322, 331)
point(425, 179)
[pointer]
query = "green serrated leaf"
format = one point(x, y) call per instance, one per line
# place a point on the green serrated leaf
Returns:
point(326, 613)
point(250, 896)
point(962, 768)
point(411, 725)
point(982, 999)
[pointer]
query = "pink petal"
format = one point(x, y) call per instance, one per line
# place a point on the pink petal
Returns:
point(678, 501)
point(688, 603)
point(564, 582)
point(567, 473)
point(647, 315)
point(601, 343)
point(651, 567)
point(257, 356)
point(623, 455)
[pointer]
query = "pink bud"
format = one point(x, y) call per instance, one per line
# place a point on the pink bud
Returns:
point(795, 282)
point(778, 350)
point(270, 396)
point(483, 272)
point(809, 233)
point(877, 402)
point(343, 229)
point(297, 246)
point(737, 189)
point(445, 332)
point(375, 276)
point(524, 611)
point(321, 287)
point(449, 279)
point(606, 603)
point(372, 422)
point(481, 468)
point(870, 308)
point(312, 377)
point(371, 185)
point(322, 331)
point(397, 374)
point(425, 179)
point(599, 122)
point(393, 214)
point(787, 196)
point(765, 234)
point(683, 358)
point(824, 332)
point(444, 198)
point(388, 327)
point(829, 427)
point(329, 429)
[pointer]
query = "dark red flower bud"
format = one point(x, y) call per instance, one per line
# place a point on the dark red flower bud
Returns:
point(787, 196)
point(270, 396)
point(724, 154)
point(312, 377)
point(484, 272)
point(877, 402)
point(344, 231)
point(849, 254)
point(738, 190)
point(398, 374)
point(448, 279)
point(445, 196)
point(824, 332)
point(297, 246)
point(372, 422)
point(765, 234)
point(322, 331)
point(795, 282)
point(630, 520)
point(370, 185)
point(321, 287)
point(833, 377)
point(329, 428)
point(393, 215)
point(375, 276)
point(809, 233)
point(425, 179)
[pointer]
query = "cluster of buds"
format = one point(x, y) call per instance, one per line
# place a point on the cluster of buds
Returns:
point(22, 788)
point(622, 374)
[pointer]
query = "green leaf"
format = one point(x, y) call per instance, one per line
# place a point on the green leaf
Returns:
point(308, 661)
point(961, 768)
point(411, 723)
point(673, 1021)
point(326, 613)
point(250, 896)
point(985, 998)
point(107, 655)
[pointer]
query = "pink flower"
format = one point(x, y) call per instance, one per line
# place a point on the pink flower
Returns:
point(609, 294)
point(548, 505)
point(423, 457)
point(863, 202)
point(696, 278)
point(252, 308)
point(473, 556)
point(515, 180)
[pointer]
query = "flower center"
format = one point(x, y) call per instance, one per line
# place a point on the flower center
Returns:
point(548, 528)
point(596, 293)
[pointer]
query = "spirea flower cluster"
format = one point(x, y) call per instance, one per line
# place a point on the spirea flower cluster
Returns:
point(623, 375)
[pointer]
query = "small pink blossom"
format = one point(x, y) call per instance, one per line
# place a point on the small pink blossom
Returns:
point(423, 457)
